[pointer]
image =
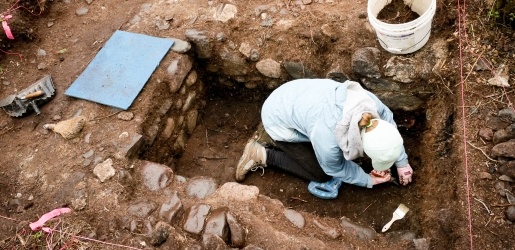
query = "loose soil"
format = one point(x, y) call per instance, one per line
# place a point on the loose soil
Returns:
point(446, 177)
point(397, 12)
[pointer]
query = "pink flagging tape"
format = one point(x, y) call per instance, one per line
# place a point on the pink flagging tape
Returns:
point(6, 27)
point(46, 217)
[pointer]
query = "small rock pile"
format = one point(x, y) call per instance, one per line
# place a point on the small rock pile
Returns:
point(500, 131)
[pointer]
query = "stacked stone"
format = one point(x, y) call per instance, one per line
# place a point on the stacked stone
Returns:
point(500, 131)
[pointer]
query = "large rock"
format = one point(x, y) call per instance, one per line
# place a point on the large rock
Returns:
point(171, 208)
point(298, 70)
point(195, 218)
point(505, 149)
point(200, 187)
point(201, 41)
point(365, 62)
point(269, 68)
point(361, 232)
point(216, 223)
point(237, 232)
point(155, 176)
point(295, 218)
point(403, 69)
point(177, 72)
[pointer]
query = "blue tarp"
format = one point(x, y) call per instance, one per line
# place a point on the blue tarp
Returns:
point(120, 69)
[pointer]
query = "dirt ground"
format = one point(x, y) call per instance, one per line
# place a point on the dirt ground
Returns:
point(443, 197)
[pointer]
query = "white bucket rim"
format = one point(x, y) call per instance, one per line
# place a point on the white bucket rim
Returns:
point(428, 14)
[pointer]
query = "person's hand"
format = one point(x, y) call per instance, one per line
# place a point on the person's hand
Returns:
point(405, 174)
point(379, 177)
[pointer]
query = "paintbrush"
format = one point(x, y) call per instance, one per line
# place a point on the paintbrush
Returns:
point(398, 214)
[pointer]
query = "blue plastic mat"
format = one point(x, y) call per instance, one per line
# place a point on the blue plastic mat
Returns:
point(120, 69)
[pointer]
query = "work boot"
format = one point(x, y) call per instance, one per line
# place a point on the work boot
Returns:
point(253, 156)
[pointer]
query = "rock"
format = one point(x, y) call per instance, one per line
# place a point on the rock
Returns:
point(237, 192)
point(421, 244)
point(297, 70)
point(180, 46)
point(41, 66)
point(362, 233)
point(267, 22)
point(500, 78)
point(396, 236)
point(191, 121)
point(245, 49)
point(495, 123)
point(225, 12)
point(221, 37)
point(125, 116)
point(41, 52)
point(508, 169)
point(213, 242)
point(135, 19)
point(485, 175)
point(201, 41)
point(191, 78)
point(195, 218)
point(159, 234)
point(88, 154)
point(6, 83)
point(260, 9)
point(216, 223)
point(233, 64)
point(510, 213)
point(168, 129)
point(502, 135)
point(401, 101)
point(237, 232)
point(254, 55)
point(365, 62)
point(131, 146)
point(502, 188)
point(201, 187)
point(141, 209)
point(155, 176)
point(82, 11)
point(507, 115)
point(252, 247)
point(331, 31)
point(162, 24)
point(295, 218)
point(486, 134)
point(505, 149)
point(505, 178)
point(105, 170)
point(328, 231)
point(402, 69)
point(380, 84)
point(269, 68)
point(171, 208)
point(189, 101)
point(307, 2)
point(510, 197)
point(177, 72)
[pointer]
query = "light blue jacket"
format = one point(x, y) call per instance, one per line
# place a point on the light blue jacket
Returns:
point(307, 110)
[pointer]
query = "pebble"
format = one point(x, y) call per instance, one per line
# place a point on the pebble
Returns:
point(125, 116)
point(180, 46)
point(88, 154)
point(485, 175)
point(510, 213)
point(486, 134)
point(41, 52)
point(6, 83)
point(328, 231)
point(105, 170)
point(295, 217)
point(159, 234)
point(41, 66)
point(81, 11)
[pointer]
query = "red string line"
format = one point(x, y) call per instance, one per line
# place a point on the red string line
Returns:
point(464, 122)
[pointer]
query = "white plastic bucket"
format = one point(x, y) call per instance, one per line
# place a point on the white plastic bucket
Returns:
point(407, 37)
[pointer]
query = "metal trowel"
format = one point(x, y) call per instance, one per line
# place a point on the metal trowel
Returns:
point(398, 214)
point(29, 98)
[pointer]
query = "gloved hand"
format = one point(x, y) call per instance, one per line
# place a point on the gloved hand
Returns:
point(379, 177)
point(405, 174)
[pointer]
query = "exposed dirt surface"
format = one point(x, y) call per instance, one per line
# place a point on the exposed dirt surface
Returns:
point(397, 12)
point(452, 204)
